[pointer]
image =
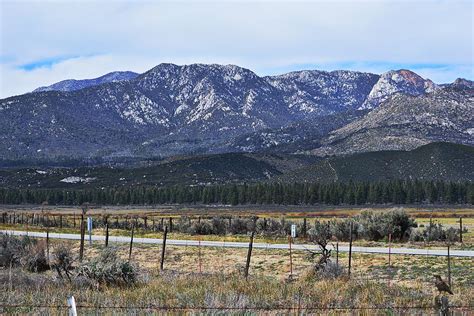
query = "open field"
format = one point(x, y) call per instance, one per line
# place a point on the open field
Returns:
point(66, 220)
point(300, 211)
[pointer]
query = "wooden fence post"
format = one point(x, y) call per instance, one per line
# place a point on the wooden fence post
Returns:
point(460, 230)
point(249, 255)
point(106, 234)
point(305, 228)
point(47, 246)
point(337, 253)
point(171, 224)
point(350, 249)
point(83, 232)
point(291, 257)
point(163, 248)
point(449, 268)
point(131, 243)
point(389, 250)
point(199, 254)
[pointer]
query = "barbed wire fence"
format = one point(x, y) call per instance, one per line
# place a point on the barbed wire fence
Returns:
point(359, 275)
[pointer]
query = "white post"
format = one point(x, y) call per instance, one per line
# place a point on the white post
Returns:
point(89, 228)
point(71, 302)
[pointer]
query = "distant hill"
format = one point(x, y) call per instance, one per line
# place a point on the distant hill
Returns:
point(435, 161)
point(197, 170)
point(72, 84)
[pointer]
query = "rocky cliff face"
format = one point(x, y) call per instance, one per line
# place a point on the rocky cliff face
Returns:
point(406, 122)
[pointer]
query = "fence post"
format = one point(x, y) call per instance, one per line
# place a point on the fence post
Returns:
point(83, 231)
point(449, 268)
point(163, 248)
point(389, 250)
point(47, 246)
point(199, 254)
point(460, 230)
point(106, 234)
point(291, 257)
point(337, 253)
point(350, 249)
point(71, 302)
point(171, 224)
point(131, 243)
point(249, 255)
point(305, 228)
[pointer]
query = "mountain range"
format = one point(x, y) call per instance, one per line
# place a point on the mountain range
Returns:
point(210, 109)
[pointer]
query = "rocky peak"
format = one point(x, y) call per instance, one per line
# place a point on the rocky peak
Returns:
point(397, 81)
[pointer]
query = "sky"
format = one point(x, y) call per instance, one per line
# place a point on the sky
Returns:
point(44, 41)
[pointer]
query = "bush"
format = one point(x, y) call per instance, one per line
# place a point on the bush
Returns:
point(219, 225)
point(35, 259)
point(378, 226)
point(11, 251)
point(330, 270)
point(436, 232)
point(109, 269)
point(62, 260)
point(200, 228)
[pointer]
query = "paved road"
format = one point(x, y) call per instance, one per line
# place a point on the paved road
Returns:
point(206, 243)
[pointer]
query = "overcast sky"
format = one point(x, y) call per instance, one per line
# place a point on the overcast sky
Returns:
point(43, 42)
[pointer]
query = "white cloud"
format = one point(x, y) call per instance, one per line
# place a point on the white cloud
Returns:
point(260, 35)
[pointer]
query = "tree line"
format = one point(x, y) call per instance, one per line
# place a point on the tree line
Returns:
point(351, 193)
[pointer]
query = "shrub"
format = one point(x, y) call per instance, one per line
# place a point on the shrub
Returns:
point(200, 228)
point(62, 260)
point(375, 226)
point(435, 232)
point(11, 251)
point(35, 259)
point(219, 225)
point(109, 269)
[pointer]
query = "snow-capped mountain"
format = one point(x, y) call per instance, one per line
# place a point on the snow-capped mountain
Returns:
point(171, 110)
point(72, 84)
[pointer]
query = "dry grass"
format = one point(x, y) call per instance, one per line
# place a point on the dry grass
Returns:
point(220, 283)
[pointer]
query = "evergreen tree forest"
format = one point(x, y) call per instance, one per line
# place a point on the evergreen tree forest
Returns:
point(351, 193)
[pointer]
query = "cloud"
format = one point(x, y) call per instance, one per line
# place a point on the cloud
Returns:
point(265, 36)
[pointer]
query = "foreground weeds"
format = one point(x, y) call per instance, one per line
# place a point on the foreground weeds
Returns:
point(26, 292)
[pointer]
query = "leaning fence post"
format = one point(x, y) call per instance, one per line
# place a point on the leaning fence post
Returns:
point(71, 302)
point(249, 255)
point(163, 248)
point(350, 249)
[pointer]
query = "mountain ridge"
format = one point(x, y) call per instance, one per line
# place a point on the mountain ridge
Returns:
point(201, 109)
